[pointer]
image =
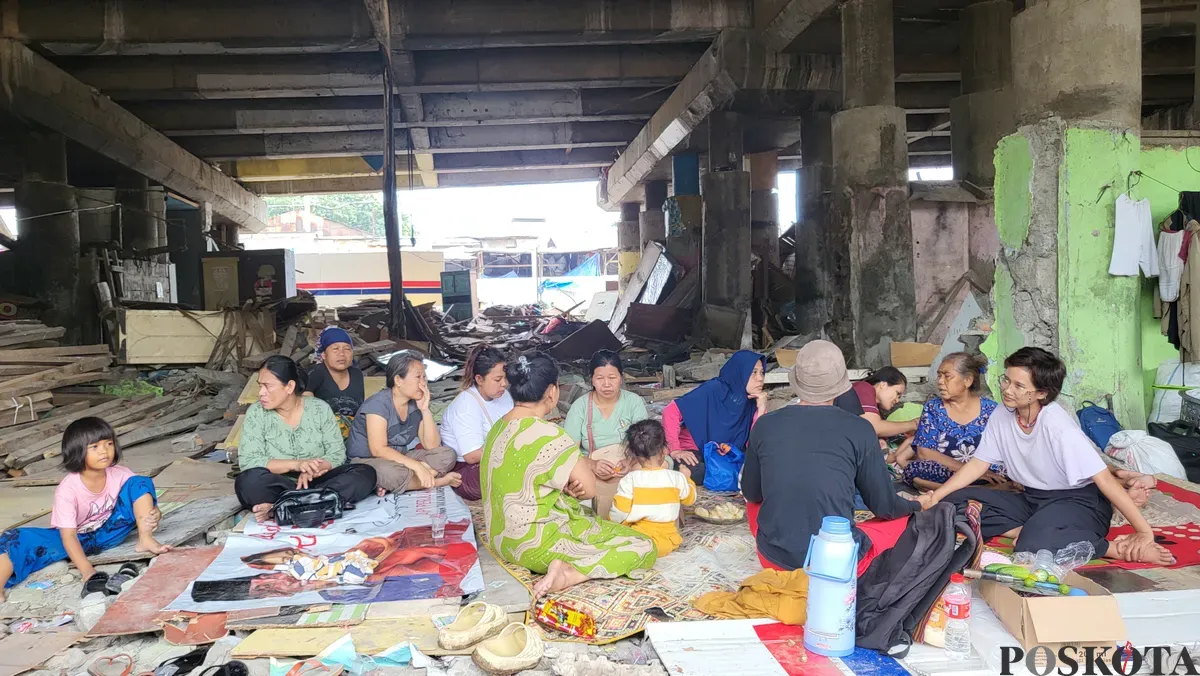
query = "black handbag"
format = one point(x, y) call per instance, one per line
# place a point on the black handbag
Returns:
point(1184, 438)
point(308, 508)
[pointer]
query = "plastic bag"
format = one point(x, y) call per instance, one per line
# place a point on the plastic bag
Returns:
point(722, 466)
point(1143, 453)
point(1056, 564)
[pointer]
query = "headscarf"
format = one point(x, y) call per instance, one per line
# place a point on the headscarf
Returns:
point(332, 336)
point(720, 410)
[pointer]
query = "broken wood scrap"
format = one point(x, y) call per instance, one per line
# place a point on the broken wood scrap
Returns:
point(254, 361)
point(80, 371)
point(50, 447)
point(50, 354)
point(155, 431)
point(290, 337)
point(221, 378)
point(14, 439)
point(177, 527)
point(235, 435)
point(31, 335)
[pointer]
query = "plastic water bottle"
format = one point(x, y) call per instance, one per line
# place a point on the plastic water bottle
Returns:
point(831, 565)
point(957, 602)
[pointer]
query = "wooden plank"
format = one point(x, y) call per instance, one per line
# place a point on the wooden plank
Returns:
point(23, 402)
point(235, 435)
point(50, 353)
point(19, 505)
point(135, 609)
point(10, 441)
point(159, 431)
point(672, 394)
point(49, 447)
point(177, 527)
point(369, 637)
point(20, 337)
point(55, 377)
point(25, 416)
point(288, 345)
point(23, 652)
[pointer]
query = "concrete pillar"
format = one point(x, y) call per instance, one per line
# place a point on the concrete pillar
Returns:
point(96, 218)
point(138, 229)
point(985, 112)
point(725, 250)
point(48, 233)
point(629, 252)
point(873, 297)
point(1057, 179)
point(868, 54)
point(684, 211)
point(814, 270)
point(653, 221)
point(764, 206)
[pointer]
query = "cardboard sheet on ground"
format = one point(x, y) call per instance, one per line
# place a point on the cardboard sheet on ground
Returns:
point(386, 544)
point(135, 611)
point(22, 652)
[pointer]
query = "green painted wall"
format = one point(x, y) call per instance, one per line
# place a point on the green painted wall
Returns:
point(1013, 208)
point(1100, 332)
point(1100, 321)
point(1174, 167)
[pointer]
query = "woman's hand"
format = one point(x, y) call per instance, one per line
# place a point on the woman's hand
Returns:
point(313, 468)
point(303, 481)
point(760, 400)
point(424, 399)
point(686, 457)
point(424, 474)
point(604, 470)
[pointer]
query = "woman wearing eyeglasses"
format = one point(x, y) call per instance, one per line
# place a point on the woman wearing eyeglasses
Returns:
point(1069, 492)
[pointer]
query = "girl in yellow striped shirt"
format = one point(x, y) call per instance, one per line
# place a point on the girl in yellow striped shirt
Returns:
point(650, 496)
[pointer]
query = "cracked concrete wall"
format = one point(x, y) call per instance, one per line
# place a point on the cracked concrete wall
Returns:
point(1056, 187)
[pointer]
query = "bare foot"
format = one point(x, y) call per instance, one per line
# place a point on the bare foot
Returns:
point(262, 512)
point(1127, 548)
point(452, 479)
point(558, 577)
point(150, 545)
point(380, 491)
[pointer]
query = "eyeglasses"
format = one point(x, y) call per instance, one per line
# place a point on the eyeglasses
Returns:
point(1006, 383)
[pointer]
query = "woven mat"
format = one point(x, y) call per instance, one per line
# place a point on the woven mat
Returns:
point(711, 558)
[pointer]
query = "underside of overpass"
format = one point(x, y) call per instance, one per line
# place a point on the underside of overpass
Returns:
point(219, 102)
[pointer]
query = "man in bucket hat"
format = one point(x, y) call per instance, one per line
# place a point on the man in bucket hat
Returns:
point(806, 461)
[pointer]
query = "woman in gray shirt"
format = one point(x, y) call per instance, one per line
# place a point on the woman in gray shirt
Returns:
point(390, 420)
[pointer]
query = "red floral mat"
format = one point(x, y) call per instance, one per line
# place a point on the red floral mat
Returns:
point(1182, 541)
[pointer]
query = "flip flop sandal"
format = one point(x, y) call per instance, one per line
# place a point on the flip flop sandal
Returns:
point(111, 666)
point(182, 665)
point(127, 572)
point(234, 668)
point(95, 583)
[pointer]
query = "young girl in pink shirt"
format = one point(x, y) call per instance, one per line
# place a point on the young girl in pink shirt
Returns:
point(95, 507)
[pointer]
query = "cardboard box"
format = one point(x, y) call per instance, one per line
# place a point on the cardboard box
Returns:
point(1055, 621)
point(914, 354)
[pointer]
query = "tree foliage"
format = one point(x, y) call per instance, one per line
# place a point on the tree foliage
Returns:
point(361, 211)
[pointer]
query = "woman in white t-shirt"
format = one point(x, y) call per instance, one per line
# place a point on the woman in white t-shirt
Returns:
point(466, 422)
point(1069, 491)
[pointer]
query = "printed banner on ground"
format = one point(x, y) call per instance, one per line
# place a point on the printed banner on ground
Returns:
point(384, 550)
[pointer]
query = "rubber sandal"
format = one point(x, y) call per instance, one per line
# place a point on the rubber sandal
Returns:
point(95, 583)
point(104, 666)
point(182, 665)
point(127, 572)
point(234, 668)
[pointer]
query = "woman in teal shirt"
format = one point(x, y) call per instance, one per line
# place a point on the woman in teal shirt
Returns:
point(597, 422)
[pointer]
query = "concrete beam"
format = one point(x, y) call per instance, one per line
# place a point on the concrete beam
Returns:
point(35, 89)
point(454, 139)
point(734, 62)
point(375, 183)
point(166, 27)
point(257, 171)
point(518, 69)
point(793, 19)
point(365, 113)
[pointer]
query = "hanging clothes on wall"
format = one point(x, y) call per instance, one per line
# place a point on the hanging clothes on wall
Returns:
point(1133, 244)
point(1170, 265)
point(1188, 305)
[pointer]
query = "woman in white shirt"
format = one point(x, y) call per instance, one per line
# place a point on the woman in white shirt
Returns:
point(466, 422)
